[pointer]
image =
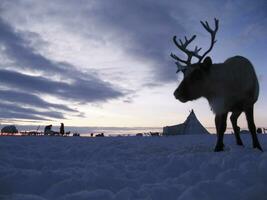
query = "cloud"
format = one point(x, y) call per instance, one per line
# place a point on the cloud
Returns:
point(31, 100)
point(80, 90)
point(58, 79)
point(149, 26)
point(13, 111)
point(143, 29)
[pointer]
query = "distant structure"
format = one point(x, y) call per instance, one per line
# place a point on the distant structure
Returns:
point(190, 126)
point(9, 129)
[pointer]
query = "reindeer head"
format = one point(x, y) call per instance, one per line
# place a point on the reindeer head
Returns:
point(192, 86)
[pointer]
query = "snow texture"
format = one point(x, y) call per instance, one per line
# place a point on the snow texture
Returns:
point(180, 167)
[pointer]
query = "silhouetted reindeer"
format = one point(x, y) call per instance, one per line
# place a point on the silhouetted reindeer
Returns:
point(231, 86)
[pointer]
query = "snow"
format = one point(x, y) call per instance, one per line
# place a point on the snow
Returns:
point(180, 167)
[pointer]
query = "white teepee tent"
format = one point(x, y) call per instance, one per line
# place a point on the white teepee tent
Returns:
point(190, 126)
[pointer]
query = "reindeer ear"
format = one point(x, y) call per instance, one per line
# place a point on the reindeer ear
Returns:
point(207, 63)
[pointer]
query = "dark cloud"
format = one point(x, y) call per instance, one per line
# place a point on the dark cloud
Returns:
point(80, 90)
point(31, 100)
point(144, 29)
point(13, 111)
point(77, 86)
point(18, 50)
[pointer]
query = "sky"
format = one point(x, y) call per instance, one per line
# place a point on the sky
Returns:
point(107, 63)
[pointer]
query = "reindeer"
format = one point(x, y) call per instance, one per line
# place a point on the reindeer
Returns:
point(231, 86)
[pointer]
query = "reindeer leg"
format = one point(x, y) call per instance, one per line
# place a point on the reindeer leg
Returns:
point(236, 128)
point(252, 127)
point(220, 122)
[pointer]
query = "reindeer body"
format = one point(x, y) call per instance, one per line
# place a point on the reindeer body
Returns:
point(231, 86)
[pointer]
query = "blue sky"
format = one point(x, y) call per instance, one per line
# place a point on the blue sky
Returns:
point(107, 63)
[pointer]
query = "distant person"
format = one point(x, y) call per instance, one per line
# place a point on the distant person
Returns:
point(92, 134)
point(61, 130)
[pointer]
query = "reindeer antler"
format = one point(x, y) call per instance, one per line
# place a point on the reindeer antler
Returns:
point(183, 46)
point(212, 33)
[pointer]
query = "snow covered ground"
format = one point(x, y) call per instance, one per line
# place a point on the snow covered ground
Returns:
point(157, 168)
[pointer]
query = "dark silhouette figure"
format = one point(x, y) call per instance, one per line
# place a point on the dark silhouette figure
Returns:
point(231, 86)
point(100, 135)
point(154, 133)
point(61, 130)
point(259, 130)
point(48, 130)
point(76, 134)
point(67, 133)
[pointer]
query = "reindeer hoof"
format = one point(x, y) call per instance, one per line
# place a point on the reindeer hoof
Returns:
point(218, 148)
